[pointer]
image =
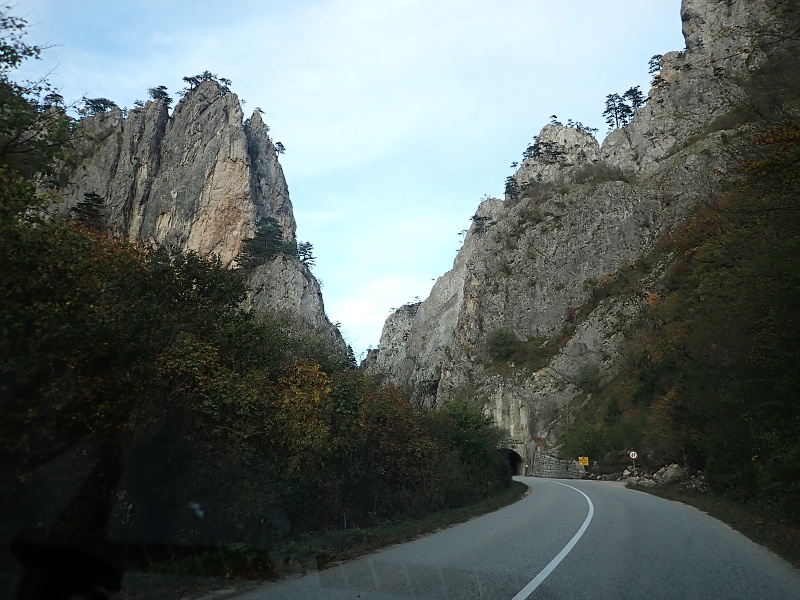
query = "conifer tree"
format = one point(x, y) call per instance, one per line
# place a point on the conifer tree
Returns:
point(265, 244)
point(617, 113)
point(96, 106)
point(635, 97)
point(160, 93)
point(305, 252)
point(91, 211)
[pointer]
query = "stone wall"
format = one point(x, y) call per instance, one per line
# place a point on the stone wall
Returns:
point(549, 466)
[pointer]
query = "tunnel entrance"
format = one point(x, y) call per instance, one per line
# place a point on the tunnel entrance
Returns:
point(515, 462)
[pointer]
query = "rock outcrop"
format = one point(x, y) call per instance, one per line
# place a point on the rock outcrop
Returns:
point(200, 179)
point(578, 218)
point(725, 42)
point(555, 150)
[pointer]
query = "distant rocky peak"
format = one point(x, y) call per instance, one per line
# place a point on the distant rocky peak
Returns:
point(726, 41)
point(554, 152)
point(265, 171)
point(201, 179)
point(723, 28)
point(207, 94)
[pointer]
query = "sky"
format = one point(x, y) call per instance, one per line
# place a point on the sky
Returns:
point(398, 116)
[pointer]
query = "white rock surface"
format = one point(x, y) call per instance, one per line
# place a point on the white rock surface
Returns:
point(585, 214)
point(200, 179)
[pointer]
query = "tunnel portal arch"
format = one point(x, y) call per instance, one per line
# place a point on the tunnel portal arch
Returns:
point(515, 462)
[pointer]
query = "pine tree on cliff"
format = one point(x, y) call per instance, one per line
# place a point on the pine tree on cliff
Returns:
point(96, 106)
point(636, 98)
point(618, 113)
point(268, 243)
point(160, 93)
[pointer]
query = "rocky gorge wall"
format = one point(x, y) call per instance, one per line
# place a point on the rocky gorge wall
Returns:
point(583, 215)
point(199, 179)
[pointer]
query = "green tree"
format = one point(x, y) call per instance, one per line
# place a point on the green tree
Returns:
point(160, 93)
point(654, 69)
point(512, 188)
point(635, 98)
point(195, 80)
point(267, 243)
point(617, 113)
point(543, 150)
point(352, 363)
point(581, 127)
point(477, 441)
point(96, 106)
point(502, 344)
point(34, 126)
point(305, 252)
point(91, 211)
point(481, 223)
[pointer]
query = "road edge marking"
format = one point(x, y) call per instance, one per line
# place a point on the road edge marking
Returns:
point(536, 581)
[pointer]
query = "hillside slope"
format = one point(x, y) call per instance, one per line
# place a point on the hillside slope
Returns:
point(530, 319)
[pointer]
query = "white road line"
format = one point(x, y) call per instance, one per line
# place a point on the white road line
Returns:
point(536, 581)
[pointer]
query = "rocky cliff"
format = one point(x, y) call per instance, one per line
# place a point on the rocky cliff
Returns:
point(579, 217)
point(199, 179)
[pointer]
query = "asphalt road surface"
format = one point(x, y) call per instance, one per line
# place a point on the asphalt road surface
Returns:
point(567, 540)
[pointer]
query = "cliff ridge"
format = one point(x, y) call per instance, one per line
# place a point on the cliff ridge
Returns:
point(579, 218)
point(200, 179)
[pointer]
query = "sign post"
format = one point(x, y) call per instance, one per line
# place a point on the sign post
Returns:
point(634, 455)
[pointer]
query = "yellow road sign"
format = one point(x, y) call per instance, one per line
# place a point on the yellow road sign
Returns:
point(584, 460)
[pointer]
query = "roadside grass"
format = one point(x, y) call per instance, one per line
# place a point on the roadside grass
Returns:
point(780, 535)
point(234, 568)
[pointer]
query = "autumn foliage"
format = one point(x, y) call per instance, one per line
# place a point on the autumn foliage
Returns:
point(144, 361)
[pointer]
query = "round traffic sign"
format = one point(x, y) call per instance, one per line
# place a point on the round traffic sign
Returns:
point(633, 454)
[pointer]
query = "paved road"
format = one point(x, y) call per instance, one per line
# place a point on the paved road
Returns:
point(566, 540)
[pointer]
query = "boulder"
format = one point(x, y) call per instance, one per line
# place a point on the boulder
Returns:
point(670, 474)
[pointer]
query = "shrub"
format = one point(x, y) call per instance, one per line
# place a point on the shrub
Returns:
point(502, 344)
point(597, 173)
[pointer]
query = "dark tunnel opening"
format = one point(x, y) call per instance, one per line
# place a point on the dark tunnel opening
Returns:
point(515, 461)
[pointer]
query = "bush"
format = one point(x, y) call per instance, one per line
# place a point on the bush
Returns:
point(502, 344)
point(597, 173)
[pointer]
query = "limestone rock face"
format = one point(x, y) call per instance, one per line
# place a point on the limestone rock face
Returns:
point(584, 217)
point(555, 150)
point(418, 340)
point(197, 180)
point(524, 268)
point(200, 179)
point(697, 87)
point(288, 285)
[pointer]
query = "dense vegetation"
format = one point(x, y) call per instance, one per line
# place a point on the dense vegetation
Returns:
point(712, 378)
point(141, 404)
